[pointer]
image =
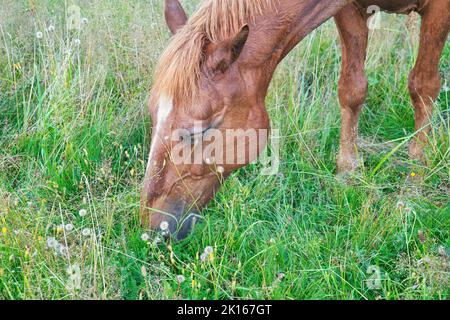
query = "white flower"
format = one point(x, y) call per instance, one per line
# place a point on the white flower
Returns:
point(62, 250)
point(86, 232)
point(145, 237)
point(181, 279)
point(68, 227)
point(51, 242)
point(51, 28)
point(203, 257)
point(77, 42)
point(209, 250)
point(164, 226)
point(84, 20)
point(82, 212)
point(39, 35)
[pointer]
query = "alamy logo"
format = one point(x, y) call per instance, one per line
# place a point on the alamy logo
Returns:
point(220, 147)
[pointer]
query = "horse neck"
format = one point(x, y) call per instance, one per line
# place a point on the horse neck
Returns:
point(277, 31)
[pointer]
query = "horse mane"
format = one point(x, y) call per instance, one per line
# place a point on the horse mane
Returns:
point(178, 71)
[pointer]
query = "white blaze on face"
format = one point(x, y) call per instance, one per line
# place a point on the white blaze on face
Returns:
point(165, 107)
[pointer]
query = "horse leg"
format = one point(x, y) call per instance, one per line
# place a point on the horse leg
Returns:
point(424, 80)
point(353, 85)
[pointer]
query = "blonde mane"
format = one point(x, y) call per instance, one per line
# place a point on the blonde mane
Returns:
point(178, 71)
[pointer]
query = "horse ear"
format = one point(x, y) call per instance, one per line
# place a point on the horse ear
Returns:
point(175, 16)
point(221, 56)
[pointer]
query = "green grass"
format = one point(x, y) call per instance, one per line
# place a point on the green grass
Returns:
point(75, 135)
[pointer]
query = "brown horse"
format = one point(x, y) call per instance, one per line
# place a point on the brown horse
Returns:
point(214, 77)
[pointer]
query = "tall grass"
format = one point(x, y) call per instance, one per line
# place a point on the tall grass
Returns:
point(75, 136)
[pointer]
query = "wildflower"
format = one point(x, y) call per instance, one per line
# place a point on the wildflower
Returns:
point(59, 229)
point(62, 250)
point(51, 242)
point(280, 276)
point(203, 257)
point(209, 250)
point(181, 279)
point(86, 232)
point(39, 35)
point(4, 230)
point(51, 28)
point(413, 174)
point(68, 227)
point(84, 21)
point(82, 213)
point(164, 226)
point(145, 237)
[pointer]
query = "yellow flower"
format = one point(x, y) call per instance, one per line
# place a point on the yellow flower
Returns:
point(193, 283)
point(17, 66)
point(413, 174)
point(59, 229)
point(40, 238)
point(4, 230)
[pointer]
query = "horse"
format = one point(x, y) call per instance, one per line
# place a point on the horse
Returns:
point(214, 76)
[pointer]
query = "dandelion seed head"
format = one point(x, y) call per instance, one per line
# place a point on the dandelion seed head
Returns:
point(51, 242)
point(63, 250)
point(68, 227)
point(209, 250)
point(220, 169)
point(164, 226)
point(51, 28)
point(203, 257)
point(84, 21)
point(82, 212)
point(181, 279)
point(86, 232)
point(145, 237)
point(39, 35)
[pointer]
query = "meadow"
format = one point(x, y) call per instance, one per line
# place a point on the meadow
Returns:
point(74, 141)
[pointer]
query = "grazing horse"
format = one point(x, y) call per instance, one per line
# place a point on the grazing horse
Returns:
point(214, 76)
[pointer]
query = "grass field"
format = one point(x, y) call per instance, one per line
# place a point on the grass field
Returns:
point(74, 140)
